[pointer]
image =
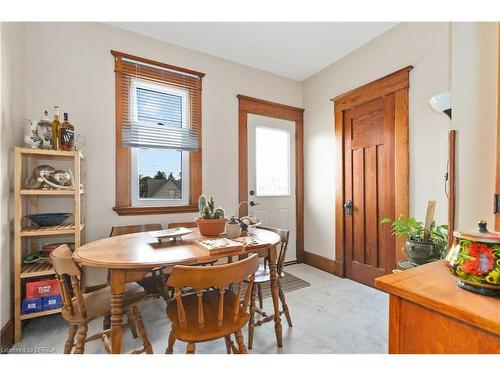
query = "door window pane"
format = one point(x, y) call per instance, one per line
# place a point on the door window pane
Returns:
point(160, 174)
point(272, 161)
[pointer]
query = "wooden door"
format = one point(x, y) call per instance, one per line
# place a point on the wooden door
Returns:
point(369, 195)
point(371, 130)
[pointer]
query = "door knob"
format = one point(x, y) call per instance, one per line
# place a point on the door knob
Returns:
point(252, 203)
point(348, 207)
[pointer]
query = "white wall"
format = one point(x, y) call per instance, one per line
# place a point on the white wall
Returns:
point(474, 98)
point(426, 46)
point(13, 70)
point(70, 65)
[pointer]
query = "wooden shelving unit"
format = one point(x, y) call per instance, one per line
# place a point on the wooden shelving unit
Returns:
point(58, 230)
point(36, 269)
point(38, 314)
point(27, 236)
point(49, 192)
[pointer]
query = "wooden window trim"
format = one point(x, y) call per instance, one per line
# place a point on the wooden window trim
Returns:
point(261, 107)
point(123, 198)
point(399, 84)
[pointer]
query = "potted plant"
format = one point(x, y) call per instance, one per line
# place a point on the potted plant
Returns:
point(211, 221)
point(421, 246)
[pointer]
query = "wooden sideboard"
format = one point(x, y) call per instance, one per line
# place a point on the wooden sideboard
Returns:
point(429, 313)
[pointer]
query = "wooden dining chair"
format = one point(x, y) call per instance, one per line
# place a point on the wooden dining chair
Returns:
point(185, 224)
point(262, 277)
point(214, 310)
point(80, 308)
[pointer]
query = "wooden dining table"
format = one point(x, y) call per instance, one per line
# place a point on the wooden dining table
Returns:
point(129, 257)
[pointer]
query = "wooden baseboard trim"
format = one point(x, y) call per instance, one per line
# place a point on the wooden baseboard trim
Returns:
point(328, 265)
point(338, 268)
point(7, 337)
point(319, 262)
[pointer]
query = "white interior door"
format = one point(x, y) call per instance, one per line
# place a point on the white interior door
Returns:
point(271, 174)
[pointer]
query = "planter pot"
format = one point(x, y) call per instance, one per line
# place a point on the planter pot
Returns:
point(211, 227)
point(475, 260)
point(421, 252)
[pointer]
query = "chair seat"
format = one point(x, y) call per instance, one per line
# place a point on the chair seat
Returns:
point(98, 302)
point(211, 330)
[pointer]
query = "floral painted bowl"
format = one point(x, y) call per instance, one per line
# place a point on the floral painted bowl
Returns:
point(475, 260)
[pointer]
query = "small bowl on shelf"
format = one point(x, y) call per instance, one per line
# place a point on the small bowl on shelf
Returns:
point(50, 219)
point(46, 249)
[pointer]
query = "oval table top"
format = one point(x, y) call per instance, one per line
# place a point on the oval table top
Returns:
point(142, 251)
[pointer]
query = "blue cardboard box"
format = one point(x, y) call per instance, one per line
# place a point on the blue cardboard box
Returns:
point(31, 305)
point(52, 302)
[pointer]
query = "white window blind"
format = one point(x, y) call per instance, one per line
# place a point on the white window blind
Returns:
point(160, 107)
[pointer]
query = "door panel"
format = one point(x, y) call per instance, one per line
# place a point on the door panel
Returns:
point(368, 171)
point(371, 206)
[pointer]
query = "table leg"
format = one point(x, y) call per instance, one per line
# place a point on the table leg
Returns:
point(273, 270)
point(117, 289)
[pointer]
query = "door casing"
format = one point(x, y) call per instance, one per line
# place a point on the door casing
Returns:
point(399, 84)
point(261, 107)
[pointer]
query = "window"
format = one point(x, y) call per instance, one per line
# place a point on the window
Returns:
point(158, 153)
point(156, 172)
point(272, 161)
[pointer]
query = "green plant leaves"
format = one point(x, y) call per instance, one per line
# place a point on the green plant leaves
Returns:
point(412, 229)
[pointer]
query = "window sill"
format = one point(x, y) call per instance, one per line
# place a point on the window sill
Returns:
point(152, 210)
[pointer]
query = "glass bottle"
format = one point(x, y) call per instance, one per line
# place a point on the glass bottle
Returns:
point(55, 129)
point(66, 135)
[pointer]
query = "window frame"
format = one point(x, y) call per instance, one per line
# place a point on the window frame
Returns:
point(124, 156)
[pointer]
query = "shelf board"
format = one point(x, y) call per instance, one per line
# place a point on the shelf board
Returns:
point(37, 269)
point(41, 313)
point(49, 153)
point(49, 192)
point(50, 231)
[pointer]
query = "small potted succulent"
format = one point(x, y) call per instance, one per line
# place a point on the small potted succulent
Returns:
point(422, 246)
point(211, 221)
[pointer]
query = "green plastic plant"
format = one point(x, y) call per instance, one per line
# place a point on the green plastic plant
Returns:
point(413, 230)
point(208, 210)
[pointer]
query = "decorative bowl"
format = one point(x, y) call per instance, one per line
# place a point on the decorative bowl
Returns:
point(48, 220)
point(61, 177)
point(46, 249)
point(211, 227)
point(249, 222)
point(475, 260)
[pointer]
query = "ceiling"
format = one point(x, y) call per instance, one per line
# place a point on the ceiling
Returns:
point(294, 50)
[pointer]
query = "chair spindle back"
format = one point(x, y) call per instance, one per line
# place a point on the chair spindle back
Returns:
point(220, 277)
point(284, 237)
